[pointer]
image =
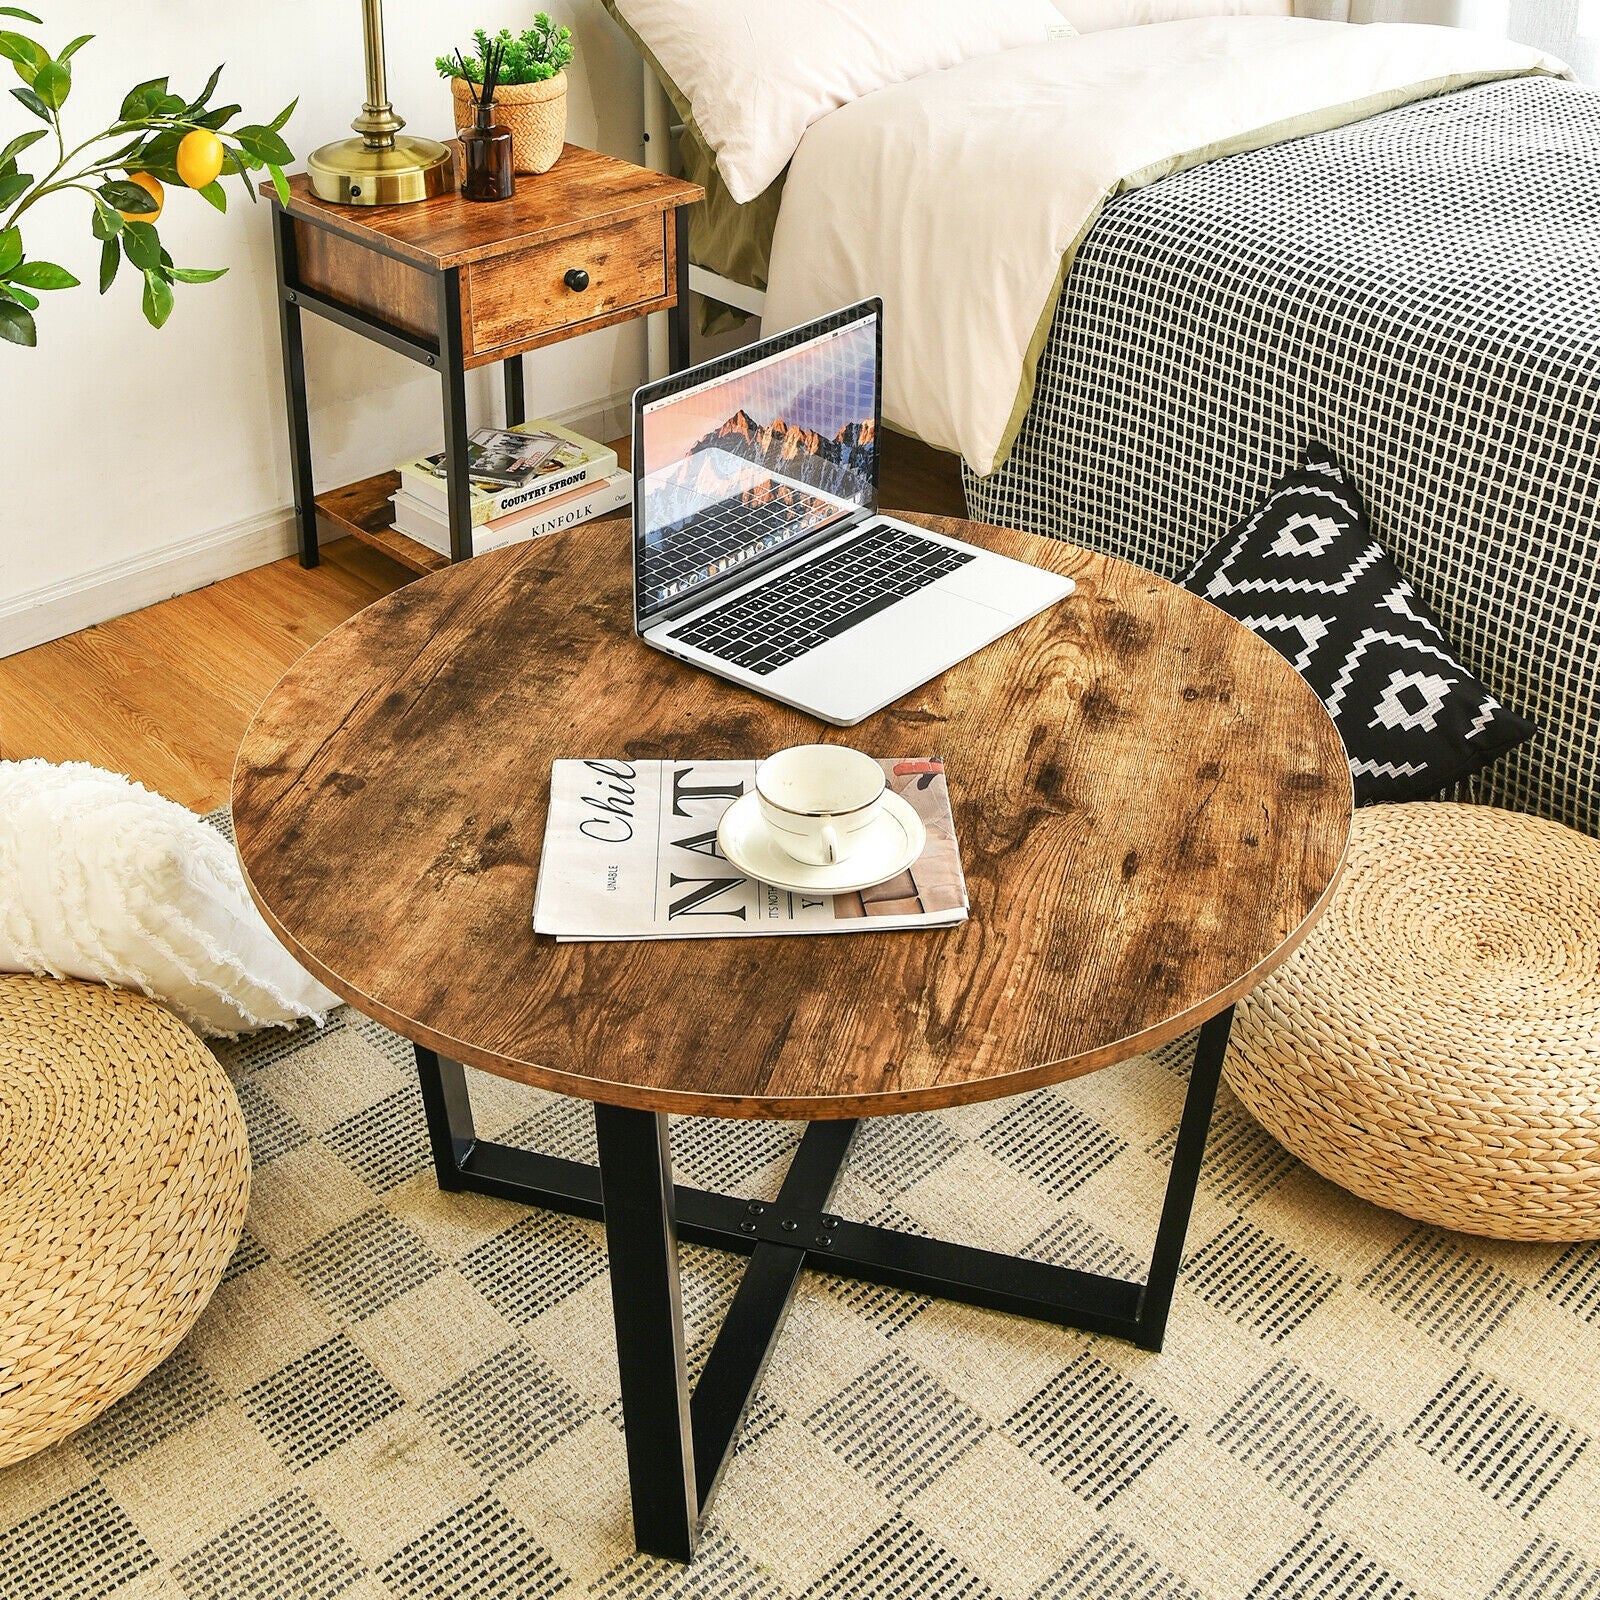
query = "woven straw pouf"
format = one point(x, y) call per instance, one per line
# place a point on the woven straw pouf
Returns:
point(1434, 1046)
point(124, 1174)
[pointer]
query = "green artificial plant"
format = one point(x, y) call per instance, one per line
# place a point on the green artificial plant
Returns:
point(538, 53)
point(145, 139)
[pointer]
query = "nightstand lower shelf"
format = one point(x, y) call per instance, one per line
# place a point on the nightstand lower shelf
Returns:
point(363, 511)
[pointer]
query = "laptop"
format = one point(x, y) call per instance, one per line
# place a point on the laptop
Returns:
point(758, 551)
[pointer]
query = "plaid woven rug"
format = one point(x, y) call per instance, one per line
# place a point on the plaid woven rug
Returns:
point(399, 1393)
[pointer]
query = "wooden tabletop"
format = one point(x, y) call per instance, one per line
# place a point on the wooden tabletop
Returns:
point(1152, 810)
point(584, 190)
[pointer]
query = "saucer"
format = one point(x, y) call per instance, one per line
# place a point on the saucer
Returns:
point(886, 849)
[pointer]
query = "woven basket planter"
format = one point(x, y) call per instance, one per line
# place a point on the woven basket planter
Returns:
point(536, 114)
point(1434, 1047)
point(124, 1176)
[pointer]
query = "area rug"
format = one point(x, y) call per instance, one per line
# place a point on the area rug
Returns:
point(401, 1393)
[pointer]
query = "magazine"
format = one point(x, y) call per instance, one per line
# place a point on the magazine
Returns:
point(501, 456)
point(630, 852)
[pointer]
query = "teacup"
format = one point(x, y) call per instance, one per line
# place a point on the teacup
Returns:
point(819, 800)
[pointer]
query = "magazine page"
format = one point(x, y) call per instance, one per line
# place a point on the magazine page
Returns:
point(630, 852)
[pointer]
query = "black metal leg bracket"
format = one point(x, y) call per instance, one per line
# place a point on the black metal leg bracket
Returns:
point(678, 1442)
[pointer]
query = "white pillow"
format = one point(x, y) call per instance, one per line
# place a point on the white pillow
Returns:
point(1090, 16)
point(103, 880)
point(757, 74)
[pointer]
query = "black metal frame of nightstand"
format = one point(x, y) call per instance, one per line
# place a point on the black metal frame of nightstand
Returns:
point(445, 355)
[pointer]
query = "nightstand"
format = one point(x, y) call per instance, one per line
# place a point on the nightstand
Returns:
point(455, 285)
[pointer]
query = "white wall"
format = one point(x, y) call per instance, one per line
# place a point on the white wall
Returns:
point(136, 463)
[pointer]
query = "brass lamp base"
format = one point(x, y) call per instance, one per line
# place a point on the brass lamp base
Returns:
point(352, 173)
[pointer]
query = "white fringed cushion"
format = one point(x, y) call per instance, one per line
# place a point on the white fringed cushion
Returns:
point(103, 880)
point(755, 77)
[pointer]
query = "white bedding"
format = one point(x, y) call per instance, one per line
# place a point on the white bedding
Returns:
point(960, 196)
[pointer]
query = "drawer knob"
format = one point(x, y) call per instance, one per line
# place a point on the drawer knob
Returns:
point(576, 279)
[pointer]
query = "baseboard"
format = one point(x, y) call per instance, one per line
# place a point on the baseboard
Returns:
point(56, 609)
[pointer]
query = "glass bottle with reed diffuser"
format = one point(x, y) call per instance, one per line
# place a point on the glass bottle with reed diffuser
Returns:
point(486, 145)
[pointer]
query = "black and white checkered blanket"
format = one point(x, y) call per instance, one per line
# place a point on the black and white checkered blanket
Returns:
point(1421, 292)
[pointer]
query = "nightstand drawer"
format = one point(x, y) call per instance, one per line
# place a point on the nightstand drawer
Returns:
point(553, 286)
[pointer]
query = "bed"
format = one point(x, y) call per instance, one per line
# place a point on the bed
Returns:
point(1407, 269)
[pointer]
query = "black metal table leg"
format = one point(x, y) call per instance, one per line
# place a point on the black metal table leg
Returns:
point(453, 380)
point(678, 1443)
point(678, 315)
point(733, 1371)
point(642, 1242)
point(516, 402)
point(1204, 1074)
point(294, 386)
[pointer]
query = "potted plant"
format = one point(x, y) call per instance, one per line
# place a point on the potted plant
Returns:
point(531, 99)
point(161, 140)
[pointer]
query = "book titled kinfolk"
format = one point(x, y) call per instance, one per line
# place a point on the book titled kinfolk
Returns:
point(630, 852)
point(555, 461)
point(428, 526)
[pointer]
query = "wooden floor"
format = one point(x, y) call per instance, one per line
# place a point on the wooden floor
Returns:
point(165, 694)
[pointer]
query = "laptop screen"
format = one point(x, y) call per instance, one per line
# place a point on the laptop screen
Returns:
point(753, 452)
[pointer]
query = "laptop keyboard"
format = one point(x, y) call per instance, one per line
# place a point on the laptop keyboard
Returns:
point(797, 610)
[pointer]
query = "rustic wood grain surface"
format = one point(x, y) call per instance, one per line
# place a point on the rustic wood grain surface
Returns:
point(583, 190)
point(1152, 810)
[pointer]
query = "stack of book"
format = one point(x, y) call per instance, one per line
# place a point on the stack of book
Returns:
point(533, 479)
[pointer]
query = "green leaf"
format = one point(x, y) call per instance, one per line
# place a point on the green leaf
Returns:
point(283, 116)
point(279, 182)
point(13, 187)
point(264, 143)
point(157, 299)
point(195, 274)
point(53, 84)
point(125, 196)
point(21, 296)
point(106, 223)
point(10, 249)
point(76, 45)
point(143, 245)
point(16, 324)
point(137, 102)
point(110, 260)
point(216, 118)
point(214, 194)
point(27, 16)
point(199, 103)
point(33, 103)
point(22, 141)
point(42, 275)
point(159, 156)
point(24, 51)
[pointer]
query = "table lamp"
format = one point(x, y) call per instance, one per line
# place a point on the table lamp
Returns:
point(383, 167)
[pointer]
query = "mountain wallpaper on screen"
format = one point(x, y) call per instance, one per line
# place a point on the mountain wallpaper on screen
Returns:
point(841, 465)
point(706, 479)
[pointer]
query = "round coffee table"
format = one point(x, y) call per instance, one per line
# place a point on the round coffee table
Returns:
point(1152, 810)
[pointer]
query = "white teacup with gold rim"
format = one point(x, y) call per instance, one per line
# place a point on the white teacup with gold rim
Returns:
point(819, 800)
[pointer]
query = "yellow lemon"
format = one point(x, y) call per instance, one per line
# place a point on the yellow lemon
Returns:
point(152, 187)
point(199, 158)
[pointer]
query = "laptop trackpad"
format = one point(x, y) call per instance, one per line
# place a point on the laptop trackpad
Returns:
point(893, 652)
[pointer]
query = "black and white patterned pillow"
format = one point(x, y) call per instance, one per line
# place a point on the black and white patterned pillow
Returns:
point(1305, 572)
